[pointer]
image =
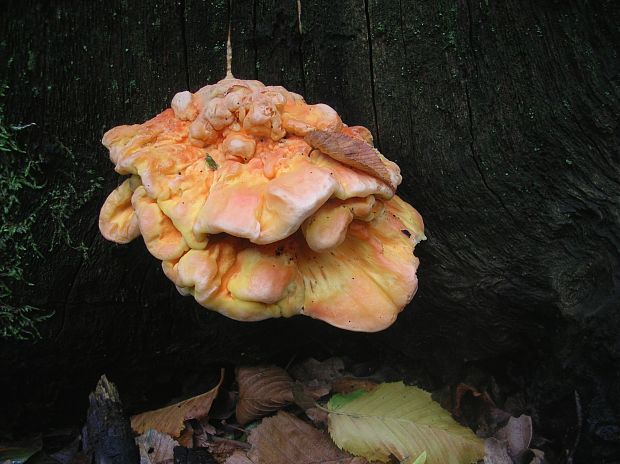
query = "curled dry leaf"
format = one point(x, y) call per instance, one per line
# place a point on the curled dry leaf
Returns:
point(496, 452)
point(462, 389)
point(155, 447)
point(170, 420)
point(352, 152)
point(517, 434)
point(222, 448)
point(284, 439)
point(322, 371)
point(186, 438)
point(262, 390)
point(316, 377)
point(304, 399)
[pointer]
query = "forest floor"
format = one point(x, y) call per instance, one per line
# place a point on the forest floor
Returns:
point(334, 411)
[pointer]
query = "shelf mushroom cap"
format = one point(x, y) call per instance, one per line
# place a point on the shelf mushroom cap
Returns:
point(260, 205)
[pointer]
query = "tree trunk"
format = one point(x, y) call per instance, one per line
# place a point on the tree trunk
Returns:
point(502, 115)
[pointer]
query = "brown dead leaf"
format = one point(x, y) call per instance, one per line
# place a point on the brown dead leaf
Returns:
point(284, 439)
point(187, 436)
point(517, 433)
point(496, 452)
point(170, 420)
point(155, 447)
point(222, 448)
point(238, 457)
point(352, 152)
point(322, 371)
point(183, 455)
point(318, 416)
point(462, 389)
point(350, 384)
point(317, 376)
point(262, 390)
point(302, 398)
point(539, 456)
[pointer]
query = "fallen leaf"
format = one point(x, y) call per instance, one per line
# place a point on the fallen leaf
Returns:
point(285, 439)
point(183, 455)
point(170, 420)
point(318, 416)
point(262, 390)
point(19, 452)
point(223, 448)
point(224, 406)
point(352, 152)
point(496, 452)
point(539, 456)
point(517, 434)
point(462, 389)
point(403, 421)
point(322, 371)
point(302, 398)
point(238, 457)
point(350, 384)
point(186, 438)
point(155, 447)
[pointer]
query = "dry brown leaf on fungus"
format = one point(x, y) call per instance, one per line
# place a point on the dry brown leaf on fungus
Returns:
point(285, 439)
point(352, 151)
point(262, 390)
point(171, 419)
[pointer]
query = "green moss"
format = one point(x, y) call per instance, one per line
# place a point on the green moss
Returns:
point(34, 219)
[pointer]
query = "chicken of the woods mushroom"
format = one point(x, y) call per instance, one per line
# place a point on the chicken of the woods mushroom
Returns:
point(260, 205)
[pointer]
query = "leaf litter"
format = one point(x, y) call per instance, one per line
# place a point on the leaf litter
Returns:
point(317, 412)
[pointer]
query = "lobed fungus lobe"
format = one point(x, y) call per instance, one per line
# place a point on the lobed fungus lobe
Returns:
point(260, 205)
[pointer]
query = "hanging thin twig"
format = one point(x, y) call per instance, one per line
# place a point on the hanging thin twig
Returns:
point(229, 74)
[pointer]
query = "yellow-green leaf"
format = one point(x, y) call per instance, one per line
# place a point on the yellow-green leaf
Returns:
point(403, 421)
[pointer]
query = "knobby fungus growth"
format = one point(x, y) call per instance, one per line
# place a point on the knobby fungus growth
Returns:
point(260, 205)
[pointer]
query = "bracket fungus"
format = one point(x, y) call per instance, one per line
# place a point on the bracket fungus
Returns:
point(260, 205)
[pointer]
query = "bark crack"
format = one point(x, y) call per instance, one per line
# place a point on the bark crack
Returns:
point(472, 143)
point(372, 74)
point(474, 156)
point(182, 18)
point(73, 280)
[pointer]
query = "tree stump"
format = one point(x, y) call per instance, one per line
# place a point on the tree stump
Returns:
point(502, 115)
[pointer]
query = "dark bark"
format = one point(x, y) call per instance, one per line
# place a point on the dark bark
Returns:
point(502, 115)
point(110, 437)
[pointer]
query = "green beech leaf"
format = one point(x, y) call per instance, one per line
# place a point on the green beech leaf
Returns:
point(403, 421)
